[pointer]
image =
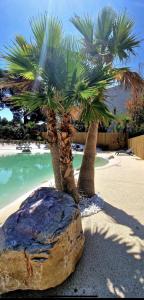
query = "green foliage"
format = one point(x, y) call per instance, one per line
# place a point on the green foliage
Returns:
point(104, 25)
point(20, 58)
point(85, 26)
point(109, 37)
point(34, 100)
point(122, 120)
point(122, 117)
point(97, 110)
point(11, 131)
point(47, 32)
point(3, 121)
point(123, 42)
point(136, 114)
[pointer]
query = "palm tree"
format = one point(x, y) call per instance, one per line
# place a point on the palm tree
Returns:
point(28, 60)
point(48, 65)
point(82, 88)
point(94, 109)
point(109, 38)
point(57, 95)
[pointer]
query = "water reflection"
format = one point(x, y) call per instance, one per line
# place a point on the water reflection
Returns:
point(23, 172)
point(20, 173)
point(5, 176)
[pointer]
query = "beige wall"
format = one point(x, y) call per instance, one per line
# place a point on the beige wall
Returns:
point(114, 141)
point(137, 145)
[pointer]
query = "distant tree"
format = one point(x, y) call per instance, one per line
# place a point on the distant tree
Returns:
point(18, 130)
point(4, 121)
point(135, 107)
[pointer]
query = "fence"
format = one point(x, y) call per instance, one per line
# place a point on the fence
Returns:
point(109, 141)
point(137, 145)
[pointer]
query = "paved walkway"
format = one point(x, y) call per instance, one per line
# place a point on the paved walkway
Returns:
point(112, 264)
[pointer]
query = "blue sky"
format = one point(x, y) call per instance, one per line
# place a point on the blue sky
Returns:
point(15, 16)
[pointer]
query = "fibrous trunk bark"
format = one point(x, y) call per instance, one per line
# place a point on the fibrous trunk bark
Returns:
point(67, 172)
point(52, 139)
point(86, 184)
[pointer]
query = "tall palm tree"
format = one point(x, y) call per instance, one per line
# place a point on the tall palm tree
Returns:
point(83, 86)
point(93, 110)
point(109, 38)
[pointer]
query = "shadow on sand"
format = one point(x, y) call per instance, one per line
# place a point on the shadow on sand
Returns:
point(121, 217)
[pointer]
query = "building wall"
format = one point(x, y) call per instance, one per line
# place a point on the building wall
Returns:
point(116, 97)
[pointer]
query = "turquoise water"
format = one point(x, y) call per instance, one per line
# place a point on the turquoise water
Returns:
point(22, 172)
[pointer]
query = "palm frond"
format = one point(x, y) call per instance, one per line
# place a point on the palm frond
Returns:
point(85, 26)
point(123, 42)
point(97, 110)
point(129, 79)
point(18, 85)
point(34, 100)
point(104, 26)
point(109, 37)
point(47, 31)
point(20, 59)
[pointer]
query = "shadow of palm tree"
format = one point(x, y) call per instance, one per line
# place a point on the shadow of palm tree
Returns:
point(121, 217)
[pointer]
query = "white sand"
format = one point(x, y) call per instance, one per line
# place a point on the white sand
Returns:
point(112, 264)
point(9, 149)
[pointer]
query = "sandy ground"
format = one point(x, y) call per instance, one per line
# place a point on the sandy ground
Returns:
point(9, 149)
point(112, 264)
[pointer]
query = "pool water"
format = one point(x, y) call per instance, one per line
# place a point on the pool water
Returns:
point(22, 172)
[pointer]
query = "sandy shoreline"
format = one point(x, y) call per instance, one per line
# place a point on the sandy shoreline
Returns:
point(9, 149)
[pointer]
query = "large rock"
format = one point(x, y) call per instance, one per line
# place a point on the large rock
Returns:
point(41, 243)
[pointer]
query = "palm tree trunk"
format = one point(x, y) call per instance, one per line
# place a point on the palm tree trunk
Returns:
point(56, 165)
point(52, 139)
point(86, 183)
point(67, 172)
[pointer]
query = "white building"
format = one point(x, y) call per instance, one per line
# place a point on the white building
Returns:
point(117, 97)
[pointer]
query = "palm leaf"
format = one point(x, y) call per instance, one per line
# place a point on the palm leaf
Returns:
point(123, 42)
point(97, 110)
point(47, 31)
point(85, 26)
point(34, 100)
point(104, 26)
